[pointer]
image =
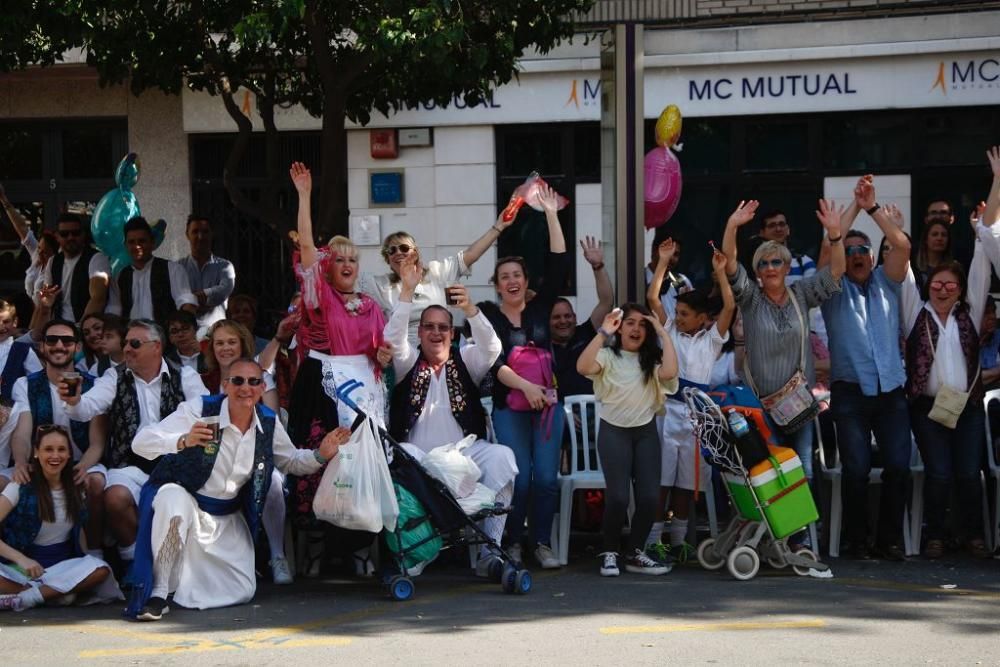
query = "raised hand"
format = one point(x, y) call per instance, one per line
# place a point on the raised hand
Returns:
point(666, 251)
point(548, 198)
point(895, 214)
point(47, 295)
point(301, 178)
point(719, 262)
point(829, 216)
point(993, 155)
point(409, 273)
point(864, 192)
point(288, 326)
point(593, 252)
point(744, 213)
point(612, 321)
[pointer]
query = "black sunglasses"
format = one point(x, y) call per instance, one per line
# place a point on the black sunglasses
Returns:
point(135, 343)
point(402, 247)
point(52, 339)
point(238, 380)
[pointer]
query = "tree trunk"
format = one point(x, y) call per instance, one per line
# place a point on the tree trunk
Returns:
point(333, 206)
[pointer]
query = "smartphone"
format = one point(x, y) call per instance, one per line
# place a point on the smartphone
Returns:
point(552, 396)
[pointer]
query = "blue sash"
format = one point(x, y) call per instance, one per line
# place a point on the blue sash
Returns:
point(217, 507)
point(50, 554)
point(681, 385)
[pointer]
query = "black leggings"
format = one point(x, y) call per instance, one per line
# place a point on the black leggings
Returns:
point(630, 457)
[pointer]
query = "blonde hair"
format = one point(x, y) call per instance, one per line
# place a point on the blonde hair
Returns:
point(769, 249)
point(341, 245)
point(247, 344)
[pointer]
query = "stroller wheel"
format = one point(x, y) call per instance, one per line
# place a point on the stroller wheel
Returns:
point(807, 554)
point(509, 577)
point(496, 568)
point(707, 556)
point(522, 582)
point(743, 563)
point(400, 588)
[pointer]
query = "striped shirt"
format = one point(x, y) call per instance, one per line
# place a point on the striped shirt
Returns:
point(773, 333)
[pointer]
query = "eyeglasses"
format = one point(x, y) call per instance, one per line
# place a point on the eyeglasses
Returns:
point(238, 381)
point(65, 340)
point(432, 327)
point(66, 233)
point(775, 263)
point(178, 330)
point(776, 224)
point(135, 343)
point(946, 285)
point(938, 211)
point(45, 429)
point(402, 247)
point(852, 250)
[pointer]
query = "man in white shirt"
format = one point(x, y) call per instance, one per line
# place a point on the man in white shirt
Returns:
point(152, 287)
point(195, 543)
point(436, 400)
point(17, 359)
point(81, 272)
point(142, 392)
point(210, 278)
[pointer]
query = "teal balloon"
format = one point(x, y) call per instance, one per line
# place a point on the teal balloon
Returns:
point(117, 207)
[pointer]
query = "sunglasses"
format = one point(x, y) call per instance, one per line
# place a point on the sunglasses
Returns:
point(775, 263)
point(402, 247)
point(44, 429)
point(948, 285)
point(238, 381)
point(431, 328)
point(135, 343)
point(68, 341)
point(852, 250)
point(66, 233)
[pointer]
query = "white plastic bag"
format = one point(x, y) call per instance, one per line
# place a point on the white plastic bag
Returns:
point(458, 472)
point(481, 498)
point(356, 490)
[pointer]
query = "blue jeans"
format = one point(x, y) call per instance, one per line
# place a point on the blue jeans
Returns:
point(537, 459)
point(802, 442)
point(857, 416)
point(951, 454)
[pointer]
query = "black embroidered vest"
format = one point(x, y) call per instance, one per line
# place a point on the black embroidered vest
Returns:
point(410, 395)
point(920, 353)
point(124, 416)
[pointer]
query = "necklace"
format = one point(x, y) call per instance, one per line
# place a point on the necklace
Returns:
point(352, 306)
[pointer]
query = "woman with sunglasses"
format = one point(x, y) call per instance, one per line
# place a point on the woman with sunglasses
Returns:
point(776, 316)
point(42, 555)
point(534, 434)
point(437, 275)
point(941, 322)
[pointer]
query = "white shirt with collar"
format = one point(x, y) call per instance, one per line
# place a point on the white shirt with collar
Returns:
point(142, 295)
point(99, 267)
point(31, 362)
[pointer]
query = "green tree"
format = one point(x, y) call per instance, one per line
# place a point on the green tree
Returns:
point(339, 59)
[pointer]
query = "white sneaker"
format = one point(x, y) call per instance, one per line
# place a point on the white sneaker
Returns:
point(546, 557)
point(10, 602)
point(640, 563)
point(515, 553)
point(609, 566)
point(280, 572)
point(417, 569)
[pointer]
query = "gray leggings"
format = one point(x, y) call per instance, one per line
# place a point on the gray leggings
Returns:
point(630, 458)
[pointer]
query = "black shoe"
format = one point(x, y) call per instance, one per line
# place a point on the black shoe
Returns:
point(891, 552)
point(858, 551)
point(153, 610)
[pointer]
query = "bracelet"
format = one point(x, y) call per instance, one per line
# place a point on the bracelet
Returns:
point(496, 229)
point(834, 240)
point(320, 459)
point(603, 332)
point(597, 267)
point(182, 443)
point(871, 211)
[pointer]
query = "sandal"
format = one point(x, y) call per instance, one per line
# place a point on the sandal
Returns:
point(934, 549)
point(977, 548)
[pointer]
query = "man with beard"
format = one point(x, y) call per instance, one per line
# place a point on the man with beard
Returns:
point(81, 272)
point(37, 403)
point(867, 376)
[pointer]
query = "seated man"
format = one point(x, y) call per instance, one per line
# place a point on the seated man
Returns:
point(193, 541)
point(436, 400)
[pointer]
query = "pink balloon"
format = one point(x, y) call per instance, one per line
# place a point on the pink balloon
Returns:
point(662, 186)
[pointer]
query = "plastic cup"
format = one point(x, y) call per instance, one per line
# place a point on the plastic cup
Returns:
point(72, 380)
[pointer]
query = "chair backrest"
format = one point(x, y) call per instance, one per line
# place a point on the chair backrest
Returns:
point(833, 454)
point(993, 395)
point(487, 402)
point(583, 418)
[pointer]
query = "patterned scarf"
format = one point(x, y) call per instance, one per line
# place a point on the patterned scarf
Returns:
point(124, 415)
point(920, 352)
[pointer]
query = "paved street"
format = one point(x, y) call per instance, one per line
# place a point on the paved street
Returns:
point(914, 612)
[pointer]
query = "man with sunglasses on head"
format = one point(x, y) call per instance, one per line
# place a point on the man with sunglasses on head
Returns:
point(38, 403)
point(867, 377)
point(436, 400)
point(203, 505)
point(142, 391)
point(81, 272)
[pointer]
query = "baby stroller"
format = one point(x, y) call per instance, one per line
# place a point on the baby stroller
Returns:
point(435, 521)
point(772, 499)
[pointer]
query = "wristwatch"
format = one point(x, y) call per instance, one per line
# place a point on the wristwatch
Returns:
point(182, 443)
point(871, 211)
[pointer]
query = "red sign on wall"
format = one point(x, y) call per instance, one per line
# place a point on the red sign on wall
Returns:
point(384, 144)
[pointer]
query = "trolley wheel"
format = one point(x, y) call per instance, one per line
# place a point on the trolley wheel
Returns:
point(707, 556)
point(508, 580)
point(743, 563)
point(800, 570)
point(400, 588)
point(775, 558)
point(496, 568)
point(522, 582)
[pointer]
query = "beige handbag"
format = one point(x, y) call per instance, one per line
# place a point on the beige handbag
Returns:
point(949, 402)
point(792, 406)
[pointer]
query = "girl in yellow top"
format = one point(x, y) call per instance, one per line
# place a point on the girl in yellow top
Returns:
point(632, 376)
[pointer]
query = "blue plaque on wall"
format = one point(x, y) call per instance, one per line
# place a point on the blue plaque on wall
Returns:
point(386, 188)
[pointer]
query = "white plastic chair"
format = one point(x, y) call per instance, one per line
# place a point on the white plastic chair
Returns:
point(993, 530)
point(487, 402)
point(585, 466)
point(835, 473)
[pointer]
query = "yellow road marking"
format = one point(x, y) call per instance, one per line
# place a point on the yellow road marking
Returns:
point(711, 627)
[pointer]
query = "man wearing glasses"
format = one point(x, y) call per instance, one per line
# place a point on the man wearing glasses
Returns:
point(868, 379)
point(139, 392)
point(81, 272)
point(202, 507)
point(436, 400)
point(37, 402)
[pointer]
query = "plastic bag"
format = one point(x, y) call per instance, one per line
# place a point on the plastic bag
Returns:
point(413, 527)
point(481, 498)
point(458, 472)
point(356, 490)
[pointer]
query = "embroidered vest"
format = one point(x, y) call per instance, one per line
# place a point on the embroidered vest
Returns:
point(192, 467)
point(920, 352)
point(80, 287)
point(13, 369)
point(21, 526)
point(159, 290)
point(410, 396)
point(40, 403)
point(124, 416)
